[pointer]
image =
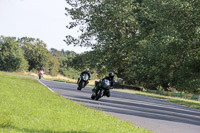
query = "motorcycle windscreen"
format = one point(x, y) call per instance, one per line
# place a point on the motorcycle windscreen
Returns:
point(85, 77)
point(106, 83)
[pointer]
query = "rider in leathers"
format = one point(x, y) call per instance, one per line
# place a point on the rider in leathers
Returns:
point(41, 69)
point(110, 77)
point(87, 71)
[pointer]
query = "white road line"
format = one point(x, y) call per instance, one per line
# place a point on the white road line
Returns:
point(45, 85)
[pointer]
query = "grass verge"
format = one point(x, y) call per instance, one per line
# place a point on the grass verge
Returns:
point(186, 102)
point(58, 78)
point(29, 107)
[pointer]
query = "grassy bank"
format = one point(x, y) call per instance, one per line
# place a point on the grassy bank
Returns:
point(59, 78)
point(27, 106)
point(186, 102)
point(189, 103)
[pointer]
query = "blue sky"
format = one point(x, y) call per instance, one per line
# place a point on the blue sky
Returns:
point(43, 19)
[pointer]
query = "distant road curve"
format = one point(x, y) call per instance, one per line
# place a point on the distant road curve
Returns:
point(150, 113)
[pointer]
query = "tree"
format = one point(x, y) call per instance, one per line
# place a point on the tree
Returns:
point(154, 43)
point(62, 53)
point(11, 56)
point(35, 52)
point(52, 65)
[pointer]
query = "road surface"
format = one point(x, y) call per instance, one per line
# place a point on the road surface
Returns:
point(150, 113)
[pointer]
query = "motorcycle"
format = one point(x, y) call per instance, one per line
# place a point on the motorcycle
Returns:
point(40, 74)
point(102, 91)
point(83, 80)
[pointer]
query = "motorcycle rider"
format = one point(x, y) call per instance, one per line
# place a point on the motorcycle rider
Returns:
point(87, 71)
point(110, 77)
point(40, 72)
point(41, 69)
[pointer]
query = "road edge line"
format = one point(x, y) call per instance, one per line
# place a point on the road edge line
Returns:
point(45, 85)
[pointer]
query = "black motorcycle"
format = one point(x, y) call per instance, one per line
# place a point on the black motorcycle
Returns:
point(102, 91)
point(83, 80)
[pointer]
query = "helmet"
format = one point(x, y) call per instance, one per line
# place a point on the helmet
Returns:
point(111, 74)
point(87, 69)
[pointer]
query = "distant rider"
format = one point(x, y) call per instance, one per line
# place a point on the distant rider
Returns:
point(41, 69)
point(87, 71)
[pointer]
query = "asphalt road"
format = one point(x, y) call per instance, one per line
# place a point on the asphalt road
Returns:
point(146, 112)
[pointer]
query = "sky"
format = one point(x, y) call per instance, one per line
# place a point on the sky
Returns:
point(43, 19)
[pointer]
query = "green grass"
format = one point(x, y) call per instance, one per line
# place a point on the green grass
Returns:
point(32, 76)
point(27, 106)
point(186, 102)
point(17, 74)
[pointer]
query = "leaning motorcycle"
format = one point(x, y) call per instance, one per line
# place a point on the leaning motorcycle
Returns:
point(40, 74)
point(102, 91)
point(83, 80)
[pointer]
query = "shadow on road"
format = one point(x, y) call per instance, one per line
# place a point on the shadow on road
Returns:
point(131, 104)
point(138, 109)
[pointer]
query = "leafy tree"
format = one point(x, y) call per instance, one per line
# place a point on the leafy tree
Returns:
point(154, 43)
point(35, 52)
point(62, 53)
point(11, 56)
point(52, 65)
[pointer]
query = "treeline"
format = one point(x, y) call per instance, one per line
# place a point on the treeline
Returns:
point(64, 58)
point(151, 43)
point(29, 54)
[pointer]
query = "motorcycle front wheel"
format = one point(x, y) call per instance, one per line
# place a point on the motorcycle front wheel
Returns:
point(92, 97)
point(83, 85)
point(79, 85)
point(99, 94)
